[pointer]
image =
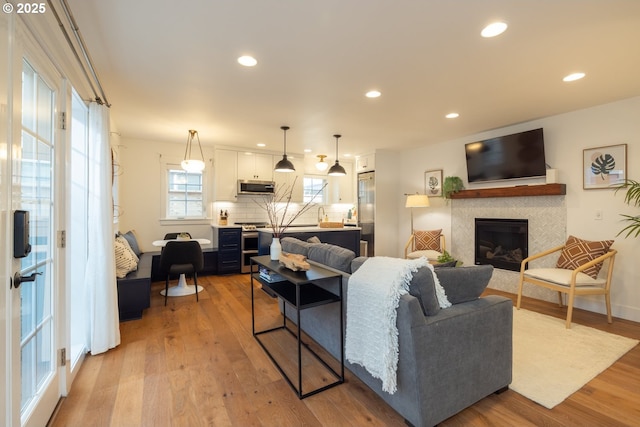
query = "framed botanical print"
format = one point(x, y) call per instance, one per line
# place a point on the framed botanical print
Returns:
point(604, 167)
point(433, 183)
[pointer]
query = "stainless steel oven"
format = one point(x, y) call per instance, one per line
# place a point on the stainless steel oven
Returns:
point(249, 249)
point(249, 244)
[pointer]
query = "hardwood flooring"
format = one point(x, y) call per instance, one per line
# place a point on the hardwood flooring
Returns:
point(197, 364)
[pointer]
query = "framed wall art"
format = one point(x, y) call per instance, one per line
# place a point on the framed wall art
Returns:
point(604, 167)
point(433, 183)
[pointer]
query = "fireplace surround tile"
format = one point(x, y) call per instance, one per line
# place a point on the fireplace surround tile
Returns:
point(547, 217)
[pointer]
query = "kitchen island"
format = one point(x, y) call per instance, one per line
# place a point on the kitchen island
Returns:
point(347, 237)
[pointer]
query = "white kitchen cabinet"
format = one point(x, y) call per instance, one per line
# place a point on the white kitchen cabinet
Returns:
point(226, 175)
point(287, 178)
point(366, 163)
point(255, 166)
point(341, 188)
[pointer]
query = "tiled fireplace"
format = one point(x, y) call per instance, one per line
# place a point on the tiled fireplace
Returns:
point(547, 224)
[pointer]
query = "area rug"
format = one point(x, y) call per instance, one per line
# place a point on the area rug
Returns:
point(551, 362)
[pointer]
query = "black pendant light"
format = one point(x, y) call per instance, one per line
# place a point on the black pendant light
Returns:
point(336, 169)
point(284, 165)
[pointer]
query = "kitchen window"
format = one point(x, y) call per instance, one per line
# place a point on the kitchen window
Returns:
point(185, 194)
point(311, 187)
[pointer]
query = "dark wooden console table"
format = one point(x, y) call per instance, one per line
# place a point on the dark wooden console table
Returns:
point(298, 290)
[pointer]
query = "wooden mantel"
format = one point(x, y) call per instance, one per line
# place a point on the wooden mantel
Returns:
point(517, 191)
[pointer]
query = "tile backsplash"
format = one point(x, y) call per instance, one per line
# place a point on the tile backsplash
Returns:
point(249, 209)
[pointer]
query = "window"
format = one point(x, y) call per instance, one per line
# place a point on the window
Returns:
point(185, 194)
point(312, 186)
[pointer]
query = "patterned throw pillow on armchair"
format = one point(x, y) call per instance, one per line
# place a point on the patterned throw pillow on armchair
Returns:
point(428, 240)
point(426, 244)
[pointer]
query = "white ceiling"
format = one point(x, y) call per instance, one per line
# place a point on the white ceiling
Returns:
point(169, 66)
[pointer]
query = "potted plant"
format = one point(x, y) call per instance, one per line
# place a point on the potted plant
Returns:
point(446, 260)
point(451, 185)
point(632, 198)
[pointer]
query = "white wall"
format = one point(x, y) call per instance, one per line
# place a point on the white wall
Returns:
point(566, 136)
point(140, 177)
point(388, 196)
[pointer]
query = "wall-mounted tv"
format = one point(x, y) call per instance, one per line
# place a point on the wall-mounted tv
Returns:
point(520, 155)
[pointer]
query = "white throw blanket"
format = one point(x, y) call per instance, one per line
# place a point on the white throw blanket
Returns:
point(373, 296)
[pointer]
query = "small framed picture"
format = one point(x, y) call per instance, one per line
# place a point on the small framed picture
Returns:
point(604, 167)
point(433, 183)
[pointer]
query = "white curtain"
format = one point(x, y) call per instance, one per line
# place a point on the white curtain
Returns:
point(100, 274)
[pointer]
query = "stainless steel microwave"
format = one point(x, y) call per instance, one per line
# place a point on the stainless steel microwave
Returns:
point(255, 187)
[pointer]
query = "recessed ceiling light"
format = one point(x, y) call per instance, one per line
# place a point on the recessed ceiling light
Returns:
point(494, 29)
point(247, 61)
point(347, 155)
point(573, 77)
point(261, 144)
point(452, 115)
point(373, 94)
point(307, 150)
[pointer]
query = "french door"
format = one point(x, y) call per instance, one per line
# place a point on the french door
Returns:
point(35, 376)
point(43, 171)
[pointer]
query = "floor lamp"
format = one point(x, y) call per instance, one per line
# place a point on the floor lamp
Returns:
point(416, 201)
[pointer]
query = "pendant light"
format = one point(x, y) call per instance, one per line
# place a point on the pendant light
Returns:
point(322, 165)
point(284, 165)
point(336, 169)
point(190, 163)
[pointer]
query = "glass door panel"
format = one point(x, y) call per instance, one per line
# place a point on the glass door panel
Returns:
point(34, 179)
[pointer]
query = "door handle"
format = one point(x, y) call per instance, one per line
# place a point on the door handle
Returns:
point(18, 279)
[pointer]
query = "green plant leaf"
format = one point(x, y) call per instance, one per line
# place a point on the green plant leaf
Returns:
point(450, 185)
point(445, 257)
point(633, 228)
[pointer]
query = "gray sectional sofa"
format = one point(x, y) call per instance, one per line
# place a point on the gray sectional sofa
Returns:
point(448, 358)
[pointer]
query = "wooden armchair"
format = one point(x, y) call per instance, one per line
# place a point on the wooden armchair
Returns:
point(571, 282)
point(429, 244)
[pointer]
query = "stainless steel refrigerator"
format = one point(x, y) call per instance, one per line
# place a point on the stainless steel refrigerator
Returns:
point(367, 209)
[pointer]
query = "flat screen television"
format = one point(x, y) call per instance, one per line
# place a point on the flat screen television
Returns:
point(520, 155)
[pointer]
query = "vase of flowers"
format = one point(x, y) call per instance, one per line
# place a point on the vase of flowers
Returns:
point(282, 212)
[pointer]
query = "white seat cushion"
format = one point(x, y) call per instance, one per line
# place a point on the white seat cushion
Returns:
point(428, 253)
point(561, 276)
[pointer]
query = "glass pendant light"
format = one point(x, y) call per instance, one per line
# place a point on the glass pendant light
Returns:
point(284, 165)
point(336, 169)
point(321, 165)
point(190, 163)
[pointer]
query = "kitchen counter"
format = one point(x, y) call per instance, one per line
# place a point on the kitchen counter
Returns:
point(347, 237)
point(310, 228)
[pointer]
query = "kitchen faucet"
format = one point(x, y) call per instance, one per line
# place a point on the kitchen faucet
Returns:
point(323, 214)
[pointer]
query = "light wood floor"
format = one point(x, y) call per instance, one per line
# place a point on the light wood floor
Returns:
point(197, 364)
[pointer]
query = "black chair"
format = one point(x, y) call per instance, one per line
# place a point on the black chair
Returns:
point(181, 257)
point(174, 236)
